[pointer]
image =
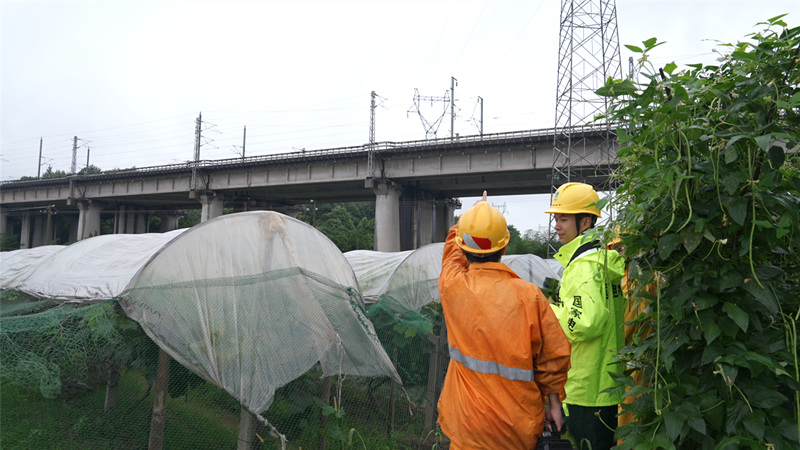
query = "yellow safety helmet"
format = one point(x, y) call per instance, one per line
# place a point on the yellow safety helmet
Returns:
point(575, 198)
point(482, 229)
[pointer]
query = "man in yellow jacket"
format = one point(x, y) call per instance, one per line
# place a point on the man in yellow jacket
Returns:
point(508, 354)
point(590, 308)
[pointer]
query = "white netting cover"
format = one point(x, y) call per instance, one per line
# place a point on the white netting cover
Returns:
point(18, 265)
point(251, 301)
point(98, 268)
point(532, 268)
point(411, 278)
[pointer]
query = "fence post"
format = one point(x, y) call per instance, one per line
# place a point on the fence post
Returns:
point(160, 402)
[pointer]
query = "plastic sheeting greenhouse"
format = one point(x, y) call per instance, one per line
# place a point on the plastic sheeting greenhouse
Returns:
point(254, 303)
point(411, 277)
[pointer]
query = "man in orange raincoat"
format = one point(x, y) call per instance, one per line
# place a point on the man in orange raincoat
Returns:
point(509, 356)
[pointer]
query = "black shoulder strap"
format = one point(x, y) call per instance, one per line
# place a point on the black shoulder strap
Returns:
point(583, 249)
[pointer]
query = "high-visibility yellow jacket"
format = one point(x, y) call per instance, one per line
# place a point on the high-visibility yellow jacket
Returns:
point(507, 353)
point(590, 308)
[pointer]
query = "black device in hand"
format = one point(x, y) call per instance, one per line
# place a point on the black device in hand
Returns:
point(551, 440)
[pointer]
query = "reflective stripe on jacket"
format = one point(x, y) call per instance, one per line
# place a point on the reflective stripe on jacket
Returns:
point(507, 352)
point(590, 308)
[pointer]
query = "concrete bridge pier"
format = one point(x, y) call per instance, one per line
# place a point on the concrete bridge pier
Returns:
point(444, 217)
point(212, 205)
point(424, 219)
point(88, 219)
point(169, 220)
point(387, 215)
point(38, 236)
point(129, 220)
point(25, 231)
point(4, 222)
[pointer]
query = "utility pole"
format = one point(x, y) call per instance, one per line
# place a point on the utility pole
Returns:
point(371, 148)
point(453, 84)
point(372, 117)
point(244, 139)
point(480, 100)
point(39, 172)
point(74, 154)
point(87, 159)
point(197, 138)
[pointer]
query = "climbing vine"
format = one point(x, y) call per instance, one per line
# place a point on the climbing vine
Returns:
point(708, 201)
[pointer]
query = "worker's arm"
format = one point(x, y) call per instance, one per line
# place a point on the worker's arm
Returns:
point(552, 354)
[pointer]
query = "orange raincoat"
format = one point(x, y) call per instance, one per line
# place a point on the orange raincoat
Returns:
point(507, 353)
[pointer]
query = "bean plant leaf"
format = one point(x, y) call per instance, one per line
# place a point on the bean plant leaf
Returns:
point(776, 156)
point(690, 240)
point(763, 142)
point(634, 48)
point(737, 315)
point(738, 210)
point(667, 244)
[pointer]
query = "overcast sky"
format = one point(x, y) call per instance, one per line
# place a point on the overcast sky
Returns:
point(129, 78)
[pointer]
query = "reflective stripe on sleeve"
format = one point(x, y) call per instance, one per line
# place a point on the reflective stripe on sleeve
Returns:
point(491, 367)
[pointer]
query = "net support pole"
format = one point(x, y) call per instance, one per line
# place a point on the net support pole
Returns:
point(248, 424)
point(156, 441)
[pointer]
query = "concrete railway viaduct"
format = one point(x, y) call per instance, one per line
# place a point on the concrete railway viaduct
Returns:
point(415, 185)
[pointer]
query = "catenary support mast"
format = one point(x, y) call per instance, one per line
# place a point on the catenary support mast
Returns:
point(588, 54)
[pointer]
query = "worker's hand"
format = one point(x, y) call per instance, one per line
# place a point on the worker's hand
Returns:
point(554, 414)
point(483, 199)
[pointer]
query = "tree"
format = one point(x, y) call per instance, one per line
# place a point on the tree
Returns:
point(531, 242)
point(9, 242)
point(347, 231)
point(50, 173)
point(708, 199)
point(91, 169)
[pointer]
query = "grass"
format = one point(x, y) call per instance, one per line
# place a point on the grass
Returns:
point(28, 421)
point(205, 418)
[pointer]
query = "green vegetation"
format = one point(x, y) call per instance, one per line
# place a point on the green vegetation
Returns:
point(531, 242)
point(32, 421)
point(709, 204)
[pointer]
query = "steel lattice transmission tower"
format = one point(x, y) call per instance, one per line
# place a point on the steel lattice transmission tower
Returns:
point(588, 54)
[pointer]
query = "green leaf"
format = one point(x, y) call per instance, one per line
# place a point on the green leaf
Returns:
point(776, 156)
point(763, 296)
point(617, 88)
point(729, 441)
point(796, 99)
point(690, 240)
point(669, 68)
point(731, 153)
point(634, 48)
point(768, 272)
point(730, 281)
point(737, 315)
point(732, 181)
point(754, 423)
point(767, 399)
point(737, 210)
point(763, 142)
point(667, 244)
point(698, 424)
point(673, 420)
